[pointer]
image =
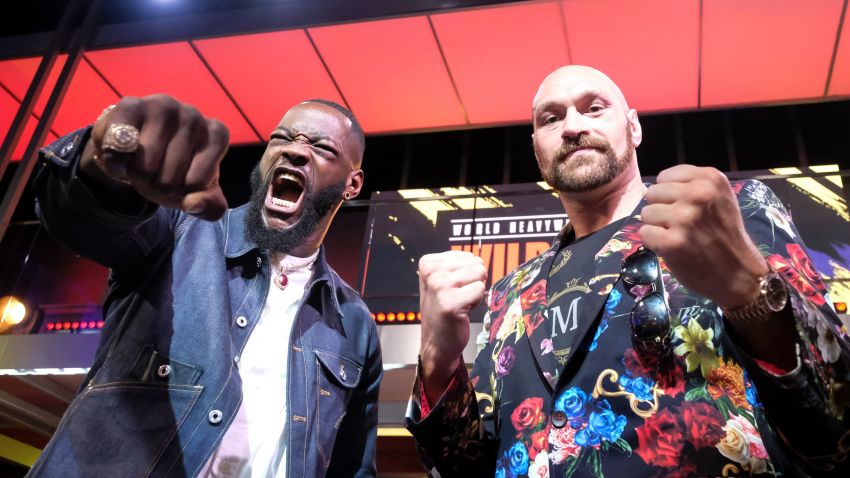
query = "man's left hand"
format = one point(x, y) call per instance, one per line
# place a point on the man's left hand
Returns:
point(693, 222)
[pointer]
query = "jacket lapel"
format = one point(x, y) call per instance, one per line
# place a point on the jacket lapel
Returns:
point(539, 326)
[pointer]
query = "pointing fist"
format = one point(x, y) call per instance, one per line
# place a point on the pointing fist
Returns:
point(175, 160)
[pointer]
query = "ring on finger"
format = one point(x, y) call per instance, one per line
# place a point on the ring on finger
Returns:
point(121, 138)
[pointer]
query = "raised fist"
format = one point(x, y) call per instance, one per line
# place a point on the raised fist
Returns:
point(164, 149)
point(450, 285)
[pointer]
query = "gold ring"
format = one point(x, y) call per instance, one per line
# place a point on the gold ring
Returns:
point(121, 138)
point(105, 112)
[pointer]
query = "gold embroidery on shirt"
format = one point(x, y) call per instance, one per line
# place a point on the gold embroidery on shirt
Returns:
point(634, 402)
point(571, 286)
point(485, 402)
point(564, 256)
point(562, 355)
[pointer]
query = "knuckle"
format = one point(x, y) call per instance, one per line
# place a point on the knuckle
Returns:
point(218, 130)
point(161, 104)
point(189, 115)
point(169, 185)
point(702, 194)
point(198, 183)
point(130, 104)
point(677, 240)
point(689, 215)
point(141, 169)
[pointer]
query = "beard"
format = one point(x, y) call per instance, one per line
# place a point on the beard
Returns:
point(579, 174)
point(314, 208)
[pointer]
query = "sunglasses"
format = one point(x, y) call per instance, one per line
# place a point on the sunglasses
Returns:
point(650, 316)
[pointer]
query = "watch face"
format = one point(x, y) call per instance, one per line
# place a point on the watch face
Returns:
point(776, 292)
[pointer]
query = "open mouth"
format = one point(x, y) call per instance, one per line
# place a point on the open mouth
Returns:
point(285, 192)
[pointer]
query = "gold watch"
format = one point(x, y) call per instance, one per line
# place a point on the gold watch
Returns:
point(772, 298)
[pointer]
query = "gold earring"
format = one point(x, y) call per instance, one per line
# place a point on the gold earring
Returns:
point(347, 195)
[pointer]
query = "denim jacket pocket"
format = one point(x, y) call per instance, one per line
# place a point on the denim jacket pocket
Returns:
point(154, 367)
point(336, 379)
point(117, 429)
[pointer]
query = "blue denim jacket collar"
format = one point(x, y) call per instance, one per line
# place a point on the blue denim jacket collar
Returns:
point(238, 244)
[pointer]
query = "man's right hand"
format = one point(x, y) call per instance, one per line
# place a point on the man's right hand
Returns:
point(177, 162)
point(450, 285)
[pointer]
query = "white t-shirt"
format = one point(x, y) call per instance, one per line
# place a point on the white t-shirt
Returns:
point(254, 445)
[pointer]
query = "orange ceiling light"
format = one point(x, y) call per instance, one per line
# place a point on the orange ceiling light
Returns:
point(498, 56)
point(391, 73)
point(650, 48)
point(839, 84)
point(269, 73)
point(766, 50)
point(174, 69)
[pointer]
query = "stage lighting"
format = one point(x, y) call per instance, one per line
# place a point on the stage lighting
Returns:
point(13, 313)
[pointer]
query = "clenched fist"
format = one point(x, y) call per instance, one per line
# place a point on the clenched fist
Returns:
point(450, 285)
point(176, 163)
point(692, 220)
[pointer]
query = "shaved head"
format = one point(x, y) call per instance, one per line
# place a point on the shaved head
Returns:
point(568, 76)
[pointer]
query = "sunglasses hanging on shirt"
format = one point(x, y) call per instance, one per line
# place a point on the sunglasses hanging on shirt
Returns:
point(650, 316)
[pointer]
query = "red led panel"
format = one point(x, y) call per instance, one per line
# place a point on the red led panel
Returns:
point(16, 75)
point(8, 109)
point(391, 73)
point(498, 56)
point(840, 82)
point(649, 48)
point(766, 50)
point(269, 73)
point(84, 100)
point(174, 69)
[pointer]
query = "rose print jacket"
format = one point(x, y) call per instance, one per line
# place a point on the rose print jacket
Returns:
point(707, 409)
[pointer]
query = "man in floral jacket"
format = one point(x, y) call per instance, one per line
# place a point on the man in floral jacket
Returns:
point(728, 361)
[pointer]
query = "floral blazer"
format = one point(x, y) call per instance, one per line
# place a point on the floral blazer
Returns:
point(524, 410)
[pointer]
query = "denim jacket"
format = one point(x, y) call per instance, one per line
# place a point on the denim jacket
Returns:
point(184, 297)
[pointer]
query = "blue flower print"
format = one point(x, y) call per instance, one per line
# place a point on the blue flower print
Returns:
point(572, 402)
point(641, 387)
point(603, 424)
point(613, 301)
point(752, 398)
point(603, 325)
point(517, 458)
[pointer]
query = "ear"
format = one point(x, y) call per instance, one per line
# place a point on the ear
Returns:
point(355, 182)
point(634, 127)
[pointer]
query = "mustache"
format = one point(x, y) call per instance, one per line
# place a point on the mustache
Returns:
point(582, 142)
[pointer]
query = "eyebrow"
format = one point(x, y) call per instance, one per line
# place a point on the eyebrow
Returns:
point(583, 94)
point(314, 136)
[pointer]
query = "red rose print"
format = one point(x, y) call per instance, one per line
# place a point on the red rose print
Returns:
point(804, 266)
point(496, 322)
point(532, 321)
point(534, 297)
point(798, 282)
point(670, 378)
point(703, 424)
point(539, 442)
point(527, 415)
point(533, 301)
point(660, 440)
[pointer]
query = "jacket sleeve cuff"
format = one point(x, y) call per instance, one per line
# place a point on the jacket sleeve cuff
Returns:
point(60, 167)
